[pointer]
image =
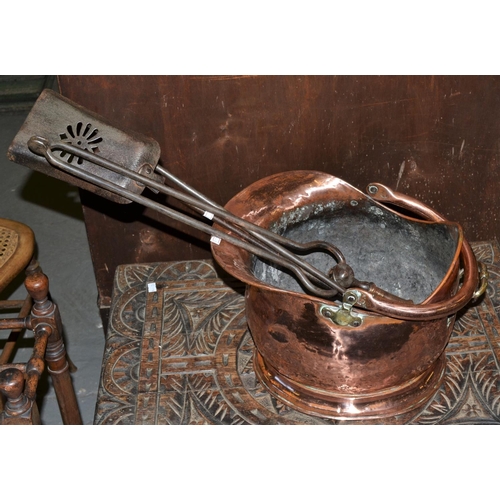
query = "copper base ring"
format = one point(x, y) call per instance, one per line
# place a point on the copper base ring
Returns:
point(387, 403)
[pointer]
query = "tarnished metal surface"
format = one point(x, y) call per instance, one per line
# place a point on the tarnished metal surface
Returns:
point(404, 257)
point(58, 119)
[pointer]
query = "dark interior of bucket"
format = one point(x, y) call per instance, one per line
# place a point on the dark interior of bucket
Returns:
point(405, 257)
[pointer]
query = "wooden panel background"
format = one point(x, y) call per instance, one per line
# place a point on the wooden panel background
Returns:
point(434, 138)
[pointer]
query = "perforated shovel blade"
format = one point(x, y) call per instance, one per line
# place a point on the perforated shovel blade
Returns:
point(58, 119)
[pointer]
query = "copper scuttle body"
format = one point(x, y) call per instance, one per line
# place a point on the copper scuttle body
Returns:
point(384, 365)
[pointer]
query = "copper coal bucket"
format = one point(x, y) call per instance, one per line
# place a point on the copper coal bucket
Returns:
point(366, 339)
point(369, 354)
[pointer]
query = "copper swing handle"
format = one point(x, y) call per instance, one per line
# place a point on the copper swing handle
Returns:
point(468, 291)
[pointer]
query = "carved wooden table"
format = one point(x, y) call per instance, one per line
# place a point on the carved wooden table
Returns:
point(178, 352)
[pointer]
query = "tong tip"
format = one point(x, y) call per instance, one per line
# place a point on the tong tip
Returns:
point(38, 145)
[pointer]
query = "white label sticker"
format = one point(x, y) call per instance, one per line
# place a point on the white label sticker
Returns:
point(208, 215)
point(151, 287)
point(215, 239)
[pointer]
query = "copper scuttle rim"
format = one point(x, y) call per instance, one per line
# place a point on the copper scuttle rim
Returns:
point(267, 195)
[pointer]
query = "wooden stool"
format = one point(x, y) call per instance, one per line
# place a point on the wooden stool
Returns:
point(178, 352)
point(19, 381)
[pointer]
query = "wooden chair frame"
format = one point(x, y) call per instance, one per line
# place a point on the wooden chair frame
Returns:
point(38, 313)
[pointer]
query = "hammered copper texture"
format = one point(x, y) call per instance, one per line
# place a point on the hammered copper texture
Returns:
point(183, 355)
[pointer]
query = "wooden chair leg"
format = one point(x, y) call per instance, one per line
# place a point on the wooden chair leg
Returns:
point(44, 314)
point(58, 367)
point(18, 410)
